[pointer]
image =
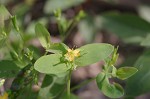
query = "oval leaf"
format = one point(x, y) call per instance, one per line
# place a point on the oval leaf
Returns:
point(8, 69)
point(58, 48)
point(92, 53)
point(51, 64)
point(111, 90)
point(43, 35)
point(125, 72)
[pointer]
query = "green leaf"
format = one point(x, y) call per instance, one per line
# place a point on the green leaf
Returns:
point(111, 90)
point(128, 27)
point(92, 53)
point(14, 21)
point(8, 69)
point(145, 42)
point(52, 5)
point(4, 19)
point(51, 64)
point(126, 72)
point(54, 89)
point(48, 79)
point(80, 15)
point(139, 83)
point(58, 48)
point(43, 35)
point(4, 15)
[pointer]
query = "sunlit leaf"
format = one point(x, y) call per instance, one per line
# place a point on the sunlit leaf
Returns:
point(92, 53)
point(51, 64)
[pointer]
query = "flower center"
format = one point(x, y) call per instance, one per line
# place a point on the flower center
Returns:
point(72, 54)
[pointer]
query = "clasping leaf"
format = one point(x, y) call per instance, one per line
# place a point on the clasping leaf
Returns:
point(126, 72)
point(111, 90)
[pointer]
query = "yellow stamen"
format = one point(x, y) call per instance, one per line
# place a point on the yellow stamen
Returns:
point(72, 54)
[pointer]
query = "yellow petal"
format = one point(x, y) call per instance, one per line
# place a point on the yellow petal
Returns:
point(4, 96)
point(69, 50)
point(76, 52)
point(71, 54)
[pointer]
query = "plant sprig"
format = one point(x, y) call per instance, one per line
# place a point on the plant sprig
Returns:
point(59, 65)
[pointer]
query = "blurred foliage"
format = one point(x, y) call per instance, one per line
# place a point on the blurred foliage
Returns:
point(139, 83)
point(128, 27)
point(52, 5)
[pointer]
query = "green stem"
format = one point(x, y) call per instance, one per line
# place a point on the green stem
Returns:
point(45, 53)
point(82, 84)
point(68, 84)
point(72, 25)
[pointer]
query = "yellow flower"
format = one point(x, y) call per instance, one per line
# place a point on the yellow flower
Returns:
point(72, 54)
point(4, 96)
